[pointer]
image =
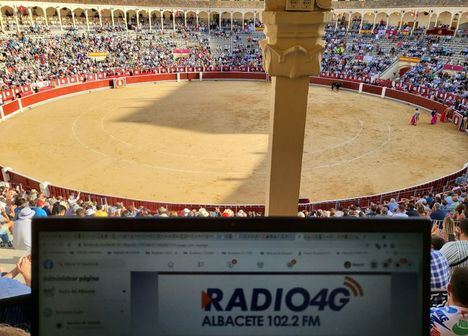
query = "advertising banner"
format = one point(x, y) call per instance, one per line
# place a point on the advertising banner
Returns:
point(279, 304)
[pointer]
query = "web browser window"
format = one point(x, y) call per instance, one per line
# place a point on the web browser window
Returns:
point(229, 283)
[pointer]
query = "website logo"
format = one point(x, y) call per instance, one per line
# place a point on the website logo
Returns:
point(296, 299)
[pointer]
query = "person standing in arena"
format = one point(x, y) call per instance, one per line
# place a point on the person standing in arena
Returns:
point(434, 117)
point(415, 118)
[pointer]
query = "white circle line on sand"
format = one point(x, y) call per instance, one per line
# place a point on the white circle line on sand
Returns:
point(372, 151)
point(204, 172)
point(81, 143)
point(342, 144)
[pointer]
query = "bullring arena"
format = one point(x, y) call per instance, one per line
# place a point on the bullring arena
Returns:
point(206, 142)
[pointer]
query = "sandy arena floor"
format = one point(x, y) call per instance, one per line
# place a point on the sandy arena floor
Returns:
point(207, 142)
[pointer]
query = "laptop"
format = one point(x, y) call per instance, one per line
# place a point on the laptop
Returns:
point(230, 276)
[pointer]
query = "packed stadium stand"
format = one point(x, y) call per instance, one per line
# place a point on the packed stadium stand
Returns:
point(411, 51)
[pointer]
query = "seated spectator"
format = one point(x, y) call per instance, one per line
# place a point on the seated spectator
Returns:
point(22, 229)
point(452, 319)
point(457, 252)
point(437, 213)
point(440, 271)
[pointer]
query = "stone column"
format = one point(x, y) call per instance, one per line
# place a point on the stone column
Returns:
point(149, 20)
point(173, 20)
point(87, 19)
point(100, 17)
point(30, 17)
point(60, 18)
point(185, 19)
point(112, 18)
point(74, 22)
point(1, 22)
point(291, 53)
point(162, 21)
point(16, 13)
point(231, 19)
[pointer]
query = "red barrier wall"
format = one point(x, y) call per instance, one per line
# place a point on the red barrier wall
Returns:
point(377, 90)
point(434, 186)
point(65, 90)
point(415, 99)
point(233, 75)
point(10, 107)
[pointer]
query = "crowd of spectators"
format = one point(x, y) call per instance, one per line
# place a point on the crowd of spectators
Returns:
point(28, 58)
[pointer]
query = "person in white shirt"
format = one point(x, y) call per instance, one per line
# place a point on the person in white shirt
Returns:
point(400, 212)
point(453, 318)
point(457, 252)
point(22, 229)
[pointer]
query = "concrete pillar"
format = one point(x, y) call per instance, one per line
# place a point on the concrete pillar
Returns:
point(30, 17)
point(349, 22)
point(255, 19)
point(125, 20)
point(87, 20)
point(416, 13)
point(173, 20)
point(384, 92)
point(74, 22)
point(100, 17)
point(209, 28)
point(6, 177)
point(437, 20)
point(401, 21)
point(60, 19)
point(44, 188)
point(196, 19)
point(243, 21)
point(220, 23)
point(45, 17)
point(162, 21)
point(149, 21)
point(291, 54)
point(137, 13)
point(336, 23)
point(15, 12)
point(458, 24)
point(185, 19)
point(1, 22)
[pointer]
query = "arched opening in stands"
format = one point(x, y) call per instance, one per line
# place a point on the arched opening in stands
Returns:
point(66, 16)
point(214, 20)
point(52, 17)
point(191, 18)
point(394, 20)
point(463, 22)
point(432, 21)
point(368, 21)
point(226, 20)
point(93, 17)
point(167, 19)
point(143, 18)
point(356, 19)
point(237, 20)
point(423, 20)
point(248, 21)
point(119, 18)
point(131, 18)
point(343, 20)
point(106, 15)
point(203, 20)
point(156, 19)
point(80, 17)
point(445, 20)
point(23, 16)
point(407, 21)
point(38, 16)
point(179, 18)
point(381, 20)
point(9, 22)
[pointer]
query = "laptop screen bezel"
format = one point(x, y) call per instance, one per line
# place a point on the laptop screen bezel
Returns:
point(234, 224)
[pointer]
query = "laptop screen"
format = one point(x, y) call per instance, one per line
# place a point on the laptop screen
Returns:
point(230, 283)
